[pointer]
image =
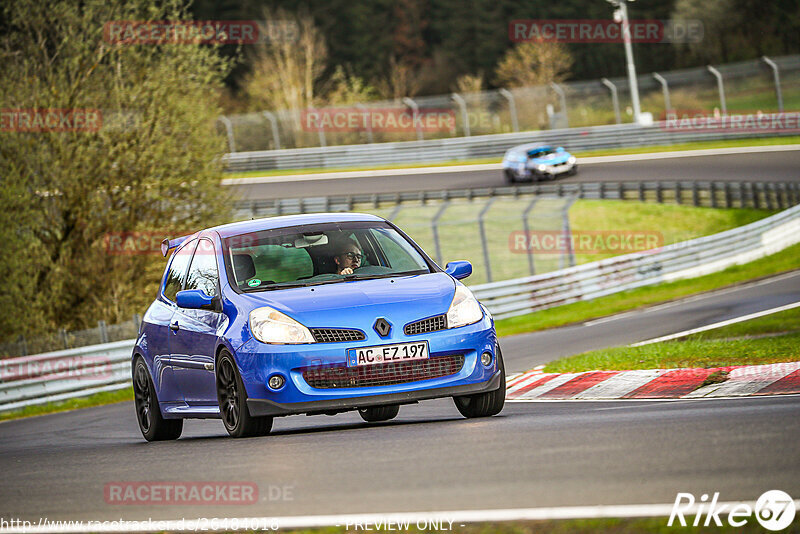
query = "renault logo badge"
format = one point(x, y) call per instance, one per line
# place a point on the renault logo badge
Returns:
point(382, 327)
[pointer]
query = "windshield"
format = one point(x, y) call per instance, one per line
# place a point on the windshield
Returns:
point(319, 254)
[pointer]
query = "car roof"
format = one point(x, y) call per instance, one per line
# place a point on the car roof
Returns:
point(530, 146)
point(270, 223)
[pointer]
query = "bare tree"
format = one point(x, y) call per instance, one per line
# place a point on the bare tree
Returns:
point(534, 63)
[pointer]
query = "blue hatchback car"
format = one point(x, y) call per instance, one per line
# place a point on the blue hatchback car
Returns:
point(535, 162)
point(309, 314)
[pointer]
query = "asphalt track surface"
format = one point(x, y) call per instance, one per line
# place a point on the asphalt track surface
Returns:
point(536, 454)
point(755, 166)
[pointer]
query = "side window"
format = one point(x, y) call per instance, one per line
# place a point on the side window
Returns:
point(401, 256)
point(176, 274)
point(203, 272)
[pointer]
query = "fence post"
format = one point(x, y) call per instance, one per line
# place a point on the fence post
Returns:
point(695, 195)
point(659, 195)
point(712, 189)
point(463, 107)
point(395, 211)
point(777, 77)
point(665, 89)
point(64, 340)
point(435, 228)
point(526, 228)
point(614, 100)
point(728, 200)
point(321, 134)
point(229, 129)
point(678, 193)
point(756, 198)
point(484, 244)
point(101, 325)
point(415, 113)
point(23, 344)
point(276, 139)
point(641, 191)
point(512, 108)
point(720, 88)
point(562, 95)
point(137, 321)
point(566, 230)
point(367, 122)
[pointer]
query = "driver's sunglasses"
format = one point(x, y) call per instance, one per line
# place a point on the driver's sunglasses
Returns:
point(352, 256)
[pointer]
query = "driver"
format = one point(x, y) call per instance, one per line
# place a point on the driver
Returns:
point(348, 258)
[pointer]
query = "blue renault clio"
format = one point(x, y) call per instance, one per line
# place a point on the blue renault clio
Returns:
point(309, 314)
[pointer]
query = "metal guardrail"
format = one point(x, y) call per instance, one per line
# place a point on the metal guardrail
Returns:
point(64, 374)
point(687, 259)
point(67, 374)
point(759, 195)
point(484, 146)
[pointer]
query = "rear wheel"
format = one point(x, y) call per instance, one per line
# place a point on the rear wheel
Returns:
point(233, 402)
point(485, 404)
point(375, 414)
point(148, 413)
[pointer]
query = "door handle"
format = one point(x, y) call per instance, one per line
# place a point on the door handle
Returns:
point(174, 326)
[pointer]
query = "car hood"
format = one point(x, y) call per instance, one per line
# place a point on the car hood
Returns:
point(356, 304)
point(552, 159)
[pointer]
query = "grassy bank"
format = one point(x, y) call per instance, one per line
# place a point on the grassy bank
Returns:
point(786, 260)
point(98, 399)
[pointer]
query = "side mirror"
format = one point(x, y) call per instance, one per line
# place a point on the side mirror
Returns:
point(458, 269)
point(194, 299)
point(560, 149)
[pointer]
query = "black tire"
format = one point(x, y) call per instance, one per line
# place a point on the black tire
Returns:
point(375, 414)
point(574, 170)
point(148, 413)
point(509, 175)
point(485, 404)
point(233, 402)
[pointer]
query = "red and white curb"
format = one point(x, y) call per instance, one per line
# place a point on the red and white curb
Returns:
point(741, 381)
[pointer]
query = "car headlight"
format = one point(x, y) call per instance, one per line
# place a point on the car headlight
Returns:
point(542, 167)
point(572, 159)
point(465, 309)
point(268, 325)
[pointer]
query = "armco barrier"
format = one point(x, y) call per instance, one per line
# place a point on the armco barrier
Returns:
point(687, 259)
point(79, 372)
point(483, 146)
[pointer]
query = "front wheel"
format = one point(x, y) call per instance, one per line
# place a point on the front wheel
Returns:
point(376, 414)
point(485, 404)
point(148, 413)
point(510, 178)
point(233, 402)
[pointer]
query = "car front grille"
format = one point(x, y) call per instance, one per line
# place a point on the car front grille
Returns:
point(336, 335)
point(431, 324)
point(382, 374)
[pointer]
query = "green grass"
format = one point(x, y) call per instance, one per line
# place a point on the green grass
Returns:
point(785, 260)
point(705, 353)
point(699, 145)
point(459, 234)
point(778, 323)
point(98, 399)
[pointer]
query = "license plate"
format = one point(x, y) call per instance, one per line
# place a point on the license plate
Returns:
point(398, 352)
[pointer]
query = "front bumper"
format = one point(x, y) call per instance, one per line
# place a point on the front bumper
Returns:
point(258, 407)
point(520, 170)
point(258, 362)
